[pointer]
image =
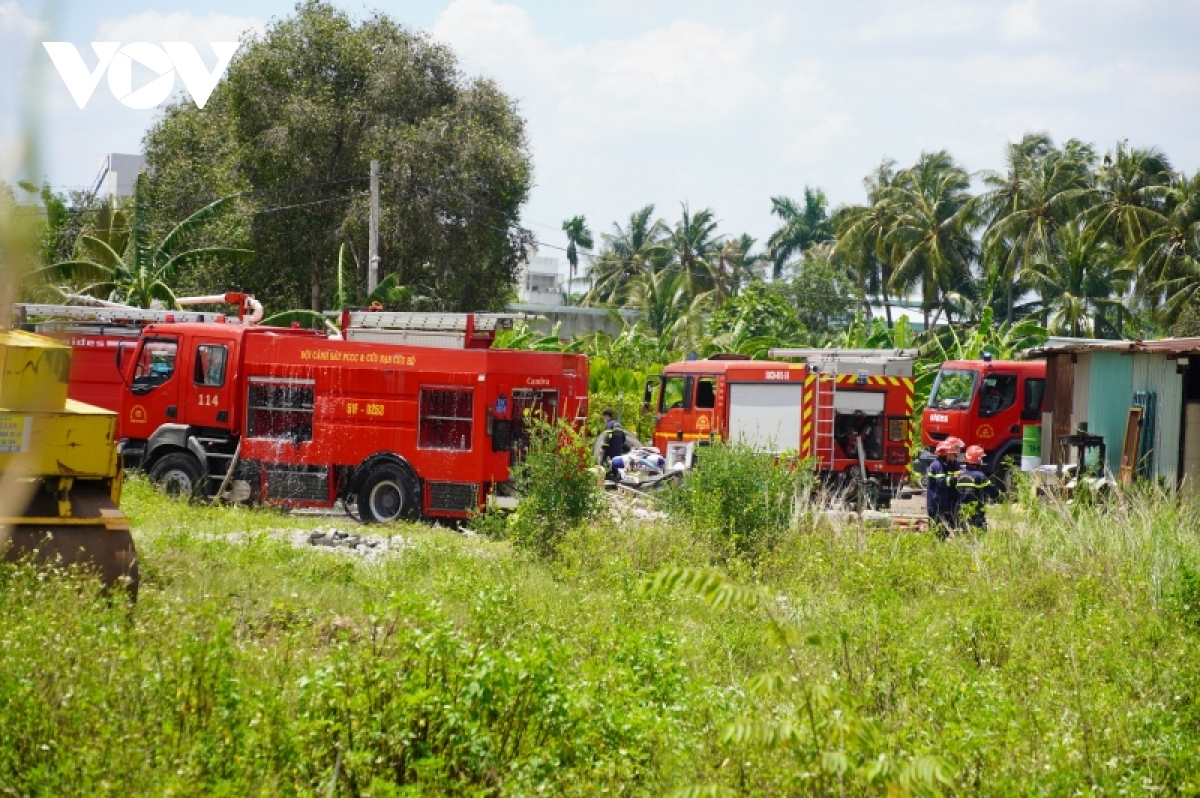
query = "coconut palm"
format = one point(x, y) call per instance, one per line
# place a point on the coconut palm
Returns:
point(1127, 201)
point(802, 225)
point(1082, 285)
point(691, 243)
point(628, 253)
point(931, 201)
point(1041, 189)
point(1170, 254)
point(731, 265)
point(863, 241)
point(578, 237)
point(118, 262)
point(668, 306)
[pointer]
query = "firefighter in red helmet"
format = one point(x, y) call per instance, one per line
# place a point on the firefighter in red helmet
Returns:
point(974, 490)
point(941, 499)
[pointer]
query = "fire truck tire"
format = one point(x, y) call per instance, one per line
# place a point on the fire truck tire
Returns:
point(387, 494)
point(177, 474)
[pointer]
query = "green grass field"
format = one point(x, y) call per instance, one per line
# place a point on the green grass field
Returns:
point(1056, 655)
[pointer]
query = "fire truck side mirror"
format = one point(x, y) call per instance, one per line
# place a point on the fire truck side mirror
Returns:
point(648, 394)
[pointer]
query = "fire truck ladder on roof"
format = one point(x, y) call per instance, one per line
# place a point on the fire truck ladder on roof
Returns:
point(111, 315)
point(445, 330)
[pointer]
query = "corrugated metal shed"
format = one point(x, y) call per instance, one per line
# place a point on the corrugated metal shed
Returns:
point(1155, 372)
point(1110, 395)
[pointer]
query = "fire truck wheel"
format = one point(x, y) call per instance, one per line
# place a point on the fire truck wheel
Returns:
point(177, 474)
point(386, 495)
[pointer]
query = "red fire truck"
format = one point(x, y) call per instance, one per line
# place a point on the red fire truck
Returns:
point(405, 414)
point(97, 331)
point(848, 409)
point(985, 402)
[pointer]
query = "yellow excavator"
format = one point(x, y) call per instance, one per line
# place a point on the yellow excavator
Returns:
point(60, 473)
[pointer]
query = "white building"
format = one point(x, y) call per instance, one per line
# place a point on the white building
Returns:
point(540, 282)
point(118, 171)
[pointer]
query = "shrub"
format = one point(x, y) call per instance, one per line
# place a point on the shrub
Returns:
point(742, 497)
point(558, 491)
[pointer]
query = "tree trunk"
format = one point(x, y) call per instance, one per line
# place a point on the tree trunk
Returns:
point(1008, 312)
point(315, 286)
point(887, 306)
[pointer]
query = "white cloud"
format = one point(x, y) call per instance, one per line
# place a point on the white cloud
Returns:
point(177, 26)
point(1019, 21)
point(687, 73)
point(926, 20)
point(13, 22)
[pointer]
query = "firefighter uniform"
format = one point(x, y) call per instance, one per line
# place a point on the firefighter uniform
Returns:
point(614, 446)
point(974, 489)
point(941, 498)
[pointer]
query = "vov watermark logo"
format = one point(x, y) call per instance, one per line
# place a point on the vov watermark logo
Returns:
point(164, 61)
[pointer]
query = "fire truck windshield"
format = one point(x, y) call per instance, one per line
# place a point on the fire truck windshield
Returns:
point(953, 389)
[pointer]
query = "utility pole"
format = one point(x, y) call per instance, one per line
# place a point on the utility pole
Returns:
point(373, 235)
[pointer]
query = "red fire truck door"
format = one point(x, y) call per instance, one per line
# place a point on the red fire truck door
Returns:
point(208, 399)
point(154, 387)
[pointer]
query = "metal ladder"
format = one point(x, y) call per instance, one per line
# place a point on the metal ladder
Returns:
point(826, 387)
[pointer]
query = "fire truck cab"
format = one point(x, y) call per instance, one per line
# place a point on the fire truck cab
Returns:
point(405, 415)
point(985, 402)
point(849, 410)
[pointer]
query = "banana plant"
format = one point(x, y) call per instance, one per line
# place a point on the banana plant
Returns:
point(119, 263)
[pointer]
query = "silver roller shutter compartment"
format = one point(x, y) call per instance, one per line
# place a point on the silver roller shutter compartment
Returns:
point(767, 417)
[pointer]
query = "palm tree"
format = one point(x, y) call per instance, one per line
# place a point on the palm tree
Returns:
point(731, 265)
point(668, 306)
point(1040, 191)
point(1170, 254)
point(692, 241)
point(1081, 285)
point(578, 237)
point(120, 264)
point(931, 201)
point(800, 228)
point(1127, 201)
point(863, 240)
point(628, 253)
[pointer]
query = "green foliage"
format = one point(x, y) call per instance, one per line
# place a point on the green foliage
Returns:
point(557, 488)
point(116, 260)
point(753, 321)
point(1188, 324)
point(304, 108)
point(743, 499)
point(823, 293)
point(1050, 655)
point(823, 736)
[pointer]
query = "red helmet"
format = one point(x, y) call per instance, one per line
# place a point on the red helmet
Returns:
point(957, 443)
point(944, 448)
point(974, 455)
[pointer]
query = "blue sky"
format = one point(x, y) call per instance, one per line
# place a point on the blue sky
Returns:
point(721, 104)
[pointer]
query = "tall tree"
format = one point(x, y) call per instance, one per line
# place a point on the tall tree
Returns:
point(931, 200)
point(801, 226)
point(1127, 200)
point(864, 239)
point(1041, 189)
point(628, 252)
point(1081, 283)
point(1169, 280)
point(692, 241)
point(305, 107)
point(578, 237)
point(731, 266)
